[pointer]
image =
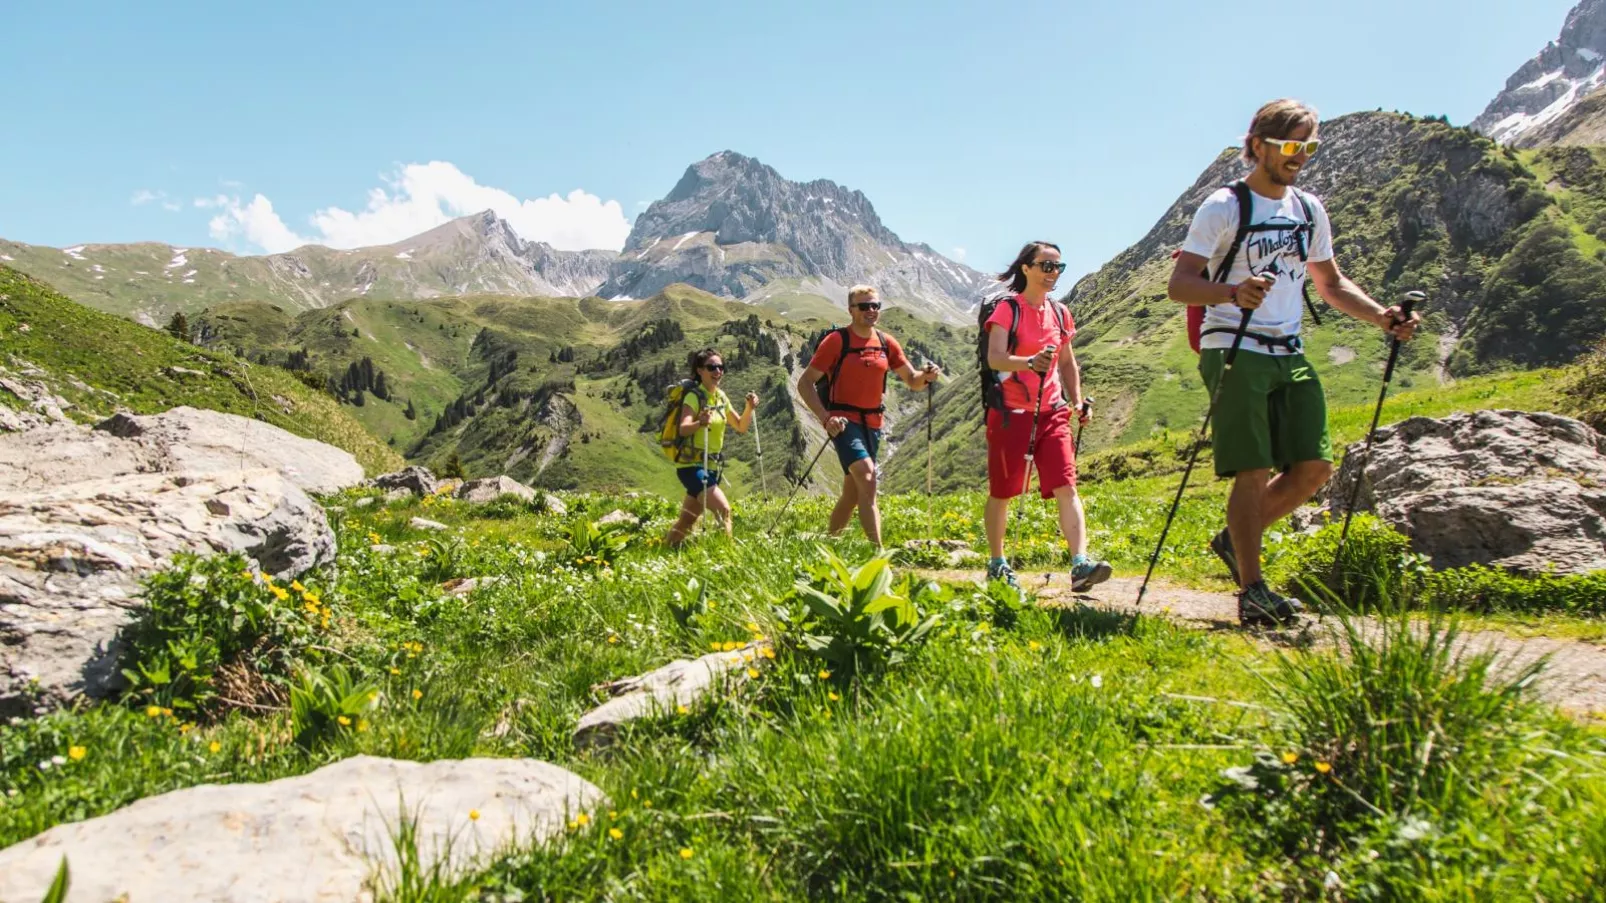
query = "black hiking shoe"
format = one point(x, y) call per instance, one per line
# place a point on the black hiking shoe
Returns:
point(1086, 573)
point(1221, 544)
point(1000, 570)
point(1258, 606)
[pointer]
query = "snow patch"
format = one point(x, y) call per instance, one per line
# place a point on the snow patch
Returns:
point(141, 273)
point(1588, 54)
point(73, 252)
point(1542, 80)
point(99, 277)
point(889, 255)
point(97, 268)
point(649, 247)
point(404, 256)
point(189, 274)
point(7, 257)
point(189, 282)
point(683, 240)
point(177, 261)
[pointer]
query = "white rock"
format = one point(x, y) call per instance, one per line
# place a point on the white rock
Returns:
point(492, 488)
point(422, 523)
point(322, 837)
point(683, 682)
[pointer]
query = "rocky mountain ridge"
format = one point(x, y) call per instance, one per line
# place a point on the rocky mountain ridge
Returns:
point(1550, 84)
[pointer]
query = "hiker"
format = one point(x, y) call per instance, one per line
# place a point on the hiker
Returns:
point(1271, 412)
point(705, 411)
point(1033, 387)
point(856, 359)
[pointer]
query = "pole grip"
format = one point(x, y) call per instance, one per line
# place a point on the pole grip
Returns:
point(1406, 307)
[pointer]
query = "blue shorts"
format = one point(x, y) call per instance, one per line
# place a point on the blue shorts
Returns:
point(855, 443)
point(695, 478)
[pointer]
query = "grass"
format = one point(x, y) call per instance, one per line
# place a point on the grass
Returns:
point(1064, 756)
point(101, 363)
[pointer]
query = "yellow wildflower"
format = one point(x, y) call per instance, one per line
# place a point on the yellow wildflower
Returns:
point(314, 598)
point(1290, 758)
point(373, 538)
point(1033, 645)
point(768, 652)
point(296, 585)
point(167, 712)
point(76, 753)
point(612, 814)
point(214, 746)
point(716, 645)
point(752, 627)
point(362, 725)
point(417, 695)
point(753, 673)
point(344, 721)
point(682, 710)
point(831, 695)
point(1323, 767)
point(732, 645)
point(615, 833)
point(583, 819)
point(825, 675)
point(685, 852)
point(473, 815)
point(185, 728)
point(395, 671)
point(279, 593)
point(613, 638)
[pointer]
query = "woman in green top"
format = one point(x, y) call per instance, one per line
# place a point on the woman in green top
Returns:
point(705, 423)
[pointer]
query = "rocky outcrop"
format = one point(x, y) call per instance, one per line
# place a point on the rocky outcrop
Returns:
point(1551, 84)
point(86, 514)
point(490, 489)
point(323, 836)
point(1524, 491)
point(414, 480)
point(733, 224)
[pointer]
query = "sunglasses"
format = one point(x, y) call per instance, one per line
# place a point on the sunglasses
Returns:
point(1290, 148)
point(714, 368)
point(1048, 266)
point(869, 305)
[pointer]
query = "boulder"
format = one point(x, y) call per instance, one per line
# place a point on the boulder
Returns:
point(424, 523)
point(492, 488)
point(323, 836)
point(1514, 489)
point(553, 505)
point(414, 480)
point(191, 440)
point(683, 682)
point(619, 516)
point(72, 557)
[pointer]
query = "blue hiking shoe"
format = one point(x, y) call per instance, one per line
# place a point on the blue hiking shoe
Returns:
point(1085, 573)
point(1000, 570)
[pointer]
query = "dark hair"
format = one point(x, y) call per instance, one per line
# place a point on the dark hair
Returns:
point(697, 359)
point(1275, 120)
point(1016, 274)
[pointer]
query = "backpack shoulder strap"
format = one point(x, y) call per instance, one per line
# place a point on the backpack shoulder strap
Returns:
point(1014, 320)
point(1246, 213)
point(846, 338)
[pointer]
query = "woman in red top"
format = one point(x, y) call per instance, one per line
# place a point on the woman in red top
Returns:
point(1035, 389)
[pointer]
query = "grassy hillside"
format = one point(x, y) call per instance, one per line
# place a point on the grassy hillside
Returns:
point(103, 363)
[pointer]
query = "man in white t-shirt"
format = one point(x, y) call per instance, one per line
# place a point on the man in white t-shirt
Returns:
point(1271, 413)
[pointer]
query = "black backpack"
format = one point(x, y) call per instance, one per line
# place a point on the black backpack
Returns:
point(992, 381)
point(1302, 232)
point(823, 385)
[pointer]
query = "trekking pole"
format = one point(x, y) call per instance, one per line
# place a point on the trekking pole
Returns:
point(706, 476)
point(763, 480)
point(1031, 448)
point(1087, 405)
point(1411, 299)
point(800, 481)
point(930, 414)
point(1226, 368)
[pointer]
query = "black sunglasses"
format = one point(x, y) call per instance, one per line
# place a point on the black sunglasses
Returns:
point(720, 368)
point(869, 305)
point(1049, 266)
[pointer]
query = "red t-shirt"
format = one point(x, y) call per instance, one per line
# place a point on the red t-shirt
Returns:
point(1038, 327)
point(861, 382)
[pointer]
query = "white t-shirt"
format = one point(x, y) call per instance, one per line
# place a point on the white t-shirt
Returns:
point(1261, 254)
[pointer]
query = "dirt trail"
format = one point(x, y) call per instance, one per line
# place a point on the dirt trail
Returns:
point(1574, 680)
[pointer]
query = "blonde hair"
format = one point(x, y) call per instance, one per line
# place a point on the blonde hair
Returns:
point(1278, 119)
point(859, 292)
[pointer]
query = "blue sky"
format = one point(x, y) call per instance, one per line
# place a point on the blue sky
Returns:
point(970, 126)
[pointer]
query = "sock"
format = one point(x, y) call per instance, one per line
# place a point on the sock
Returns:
point(1079, 559)
point(996, 563)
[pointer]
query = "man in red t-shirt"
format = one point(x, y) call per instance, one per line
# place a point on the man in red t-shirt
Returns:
point(857, 359)
point(1041, 385)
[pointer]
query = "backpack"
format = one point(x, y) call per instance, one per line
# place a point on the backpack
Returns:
point(1240, 191)
point(992, 381)
point(823, 385)
point(676, 447)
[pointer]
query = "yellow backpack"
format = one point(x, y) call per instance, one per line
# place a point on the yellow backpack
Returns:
point(678, 448)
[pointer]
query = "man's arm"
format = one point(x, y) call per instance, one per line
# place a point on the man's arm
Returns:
point(1342, 293)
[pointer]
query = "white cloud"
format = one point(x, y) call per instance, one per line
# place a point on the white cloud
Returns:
point(144, 196)
point(420, 197)
point(958, 254)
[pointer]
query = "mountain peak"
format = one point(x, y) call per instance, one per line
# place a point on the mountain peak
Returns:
point(1554, 81)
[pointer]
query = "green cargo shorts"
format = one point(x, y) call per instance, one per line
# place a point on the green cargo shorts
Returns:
point(1272, 412)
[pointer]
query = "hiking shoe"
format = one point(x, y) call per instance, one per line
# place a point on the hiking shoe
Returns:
point(1086, 573)
point(1000, 570)
point(1258, 606)
point(1221, 544)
